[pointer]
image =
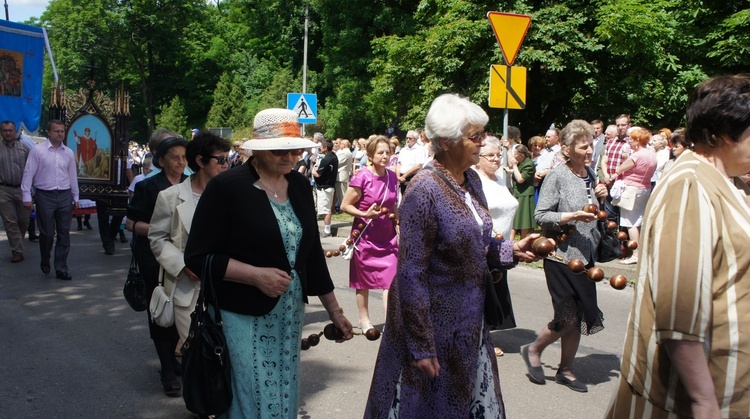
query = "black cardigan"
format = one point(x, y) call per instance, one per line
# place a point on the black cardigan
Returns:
point(141, 208)
point(234, 219)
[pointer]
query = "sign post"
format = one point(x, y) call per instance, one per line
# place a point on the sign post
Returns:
point(305, 105)
point(508, 83)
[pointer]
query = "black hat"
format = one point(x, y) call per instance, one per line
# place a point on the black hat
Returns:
point(164, 146)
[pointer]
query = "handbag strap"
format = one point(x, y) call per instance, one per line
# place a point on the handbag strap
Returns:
point(207, 294)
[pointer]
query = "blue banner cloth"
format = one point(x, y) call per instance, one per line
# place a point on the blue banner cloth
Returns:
point(21, 70)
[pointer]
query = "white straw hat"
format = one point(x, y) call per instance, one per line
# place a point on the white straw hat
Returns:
point(277, 129)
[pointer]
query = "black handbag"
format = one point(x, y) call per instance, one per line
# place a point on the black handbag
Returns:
point(135, 288)
point(609, 245)
point(206, 370)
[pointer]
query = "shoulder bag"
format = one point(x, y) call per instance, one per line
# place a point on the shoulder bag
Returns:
point(206, 370)
point(609, 246)
point(352, 244)
point(162, 305)
point(134, 290)
point(625, 198)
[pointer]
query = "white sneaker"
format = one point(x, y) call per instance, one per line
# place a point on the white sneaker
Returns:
point(629, 261)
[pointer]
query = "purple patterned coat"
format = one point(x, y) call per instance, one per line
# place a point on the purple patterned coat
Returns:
point(436, 301)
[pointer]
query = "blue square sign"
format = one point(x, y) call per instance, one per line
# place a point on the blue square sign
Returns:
point(305, 105)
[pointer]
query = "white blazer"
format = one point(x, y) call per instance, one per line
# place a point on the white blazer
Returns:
point(168, 235)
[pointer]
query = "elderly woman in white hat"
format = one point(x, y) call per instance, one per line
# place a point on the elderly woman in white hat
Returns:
point(258, 220)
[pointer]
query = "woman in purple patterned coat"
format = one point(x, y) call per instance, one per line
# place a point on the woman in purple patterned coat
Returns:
point(436, 357)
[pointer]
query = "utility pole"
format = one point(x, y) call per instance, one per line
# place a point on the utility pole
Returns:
point(304, 56)
point(6, 10)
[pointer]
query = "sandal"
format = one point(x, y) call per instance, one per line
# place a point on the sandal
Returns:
point(499, 352)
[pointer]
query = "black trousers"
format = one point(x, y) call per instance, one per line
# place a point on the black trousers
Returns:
point(54, 213)
point(107, 230)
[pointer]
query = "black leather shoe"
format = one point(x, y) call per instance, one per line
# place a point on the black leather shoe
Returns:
point(63, 275)
point(172, 389)
point(536, 374)
point(574, 385)
point(33, 237)
point(109, 250)
point(45, 267)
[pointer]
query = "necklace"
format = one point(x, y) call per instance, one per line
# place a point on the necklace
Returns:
point(275, 193)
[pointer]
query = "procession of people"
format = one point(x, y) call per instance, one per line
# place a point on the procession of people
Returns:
point(441, 220)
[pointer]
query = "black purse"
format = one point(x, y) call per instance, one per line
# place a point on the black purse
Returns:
point(609, 245)
point(206, 370)
point(135, 286)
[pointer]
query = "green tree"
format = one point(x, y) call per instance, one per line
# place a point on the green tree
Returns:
point(173, 117)
point(228, 109)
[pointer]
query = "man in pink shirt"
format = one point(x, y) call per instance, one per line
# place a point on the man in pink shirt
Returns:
point(51, 170)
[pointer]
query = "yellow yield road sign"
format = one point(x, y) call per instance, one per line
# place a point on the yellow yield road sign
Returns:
point(507, 87)
point(510, 30)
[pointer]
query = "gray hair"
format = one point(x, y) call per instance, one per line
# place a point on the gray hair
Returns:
point(576, 129)
point(318, 137)
point(612, 129)
point(491, 141)
point(448, 117)
point(659, 140)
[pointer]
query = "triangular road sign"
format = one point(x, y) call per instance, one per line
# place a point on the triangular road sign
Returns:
point(510, 30)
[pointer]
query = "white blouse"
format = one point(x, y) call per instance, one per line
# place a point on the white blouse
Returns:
point(501, 204)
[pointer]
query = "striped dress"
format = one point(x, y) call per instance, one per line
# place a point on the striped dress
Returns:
point(693, 285)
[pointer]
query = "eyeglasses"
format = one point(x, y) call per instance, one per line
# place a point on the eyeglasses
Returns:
point(490, 156)
point(282, 153)
point(478, 137)
point(220, 159)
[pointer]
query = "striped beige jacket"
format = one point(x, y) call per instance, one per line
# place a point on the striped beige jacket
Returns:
point(693, 285)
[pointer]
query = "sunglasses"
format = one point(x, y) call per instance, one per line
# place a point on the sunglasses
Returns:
point(282, 153)
point(220, 159)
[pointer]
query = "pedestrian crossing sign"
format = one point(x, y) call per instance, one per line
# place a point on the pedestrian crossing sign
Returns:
point(305, 105)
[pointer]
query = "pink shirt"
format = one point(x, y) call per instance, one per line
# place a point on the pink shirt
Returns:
point(50, 169)
point(645, 166)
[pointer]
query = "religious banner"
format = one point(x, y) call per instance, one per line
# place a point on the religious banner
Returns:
point(21, 69)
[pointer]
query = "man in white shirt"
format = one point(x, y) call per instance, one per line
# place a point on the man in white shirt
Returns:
point(545, 161)
point(410, 159)
point(344, 155)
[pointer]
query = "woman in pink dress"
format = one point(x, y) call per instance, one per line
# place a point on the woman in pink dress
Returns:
point(373, 265)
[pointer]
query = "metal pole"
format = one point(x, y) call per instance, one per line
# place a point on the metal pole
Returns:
point(304, 57)
point(505, 112)
point(6, 10)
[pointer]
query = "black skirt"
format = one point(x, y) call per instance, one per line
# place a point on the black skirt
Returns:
point(573, 299)
point(505, 318)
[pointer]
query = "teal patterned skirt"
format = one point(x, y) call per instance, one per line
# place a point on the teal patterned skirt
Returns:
point(265, 351)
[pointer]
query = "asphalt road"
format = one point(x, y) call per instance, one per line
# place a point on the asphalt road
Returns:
point(75, 349)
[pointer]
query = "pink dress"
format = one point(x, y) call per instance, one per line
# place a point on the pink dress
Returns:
point(376, 255)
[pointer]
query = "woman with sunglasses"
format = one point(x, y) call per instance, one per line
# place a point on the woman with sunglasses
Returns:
point(436, 357)
point(258, 221)
point(207, 156)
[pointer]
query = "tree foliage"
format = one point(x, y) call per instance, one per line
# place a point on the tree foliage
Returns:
point(377, 65)
point(172, 116)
